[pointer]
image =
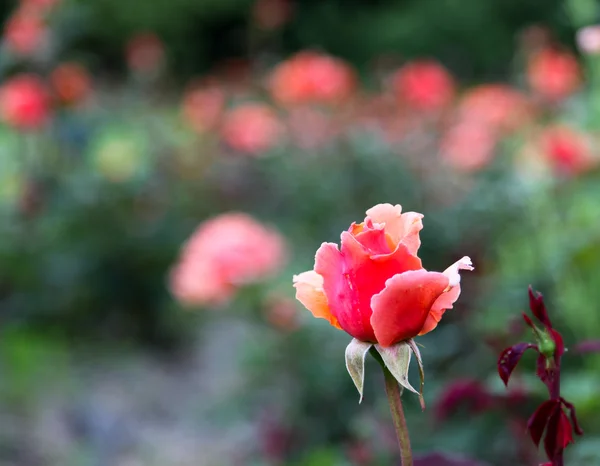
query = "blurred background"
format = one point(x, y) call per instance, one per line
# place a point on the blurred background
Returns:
point(167, 166)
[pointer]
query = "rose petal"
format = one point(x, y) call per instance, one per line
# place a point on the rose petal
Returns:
point(366, 275)
point(309, 291)
point(341, 293)
point(400, 310)
point(449, 297)
point(401, 228)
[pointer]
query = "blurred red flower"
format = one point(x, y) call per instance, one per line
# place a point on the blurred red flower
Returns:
point(225, 252)
point(553, 74)
point(203, 107)
point(312, 77)
point(25, 31)
point(496, 105)
point(425, 85)
point(375, 287)
point(566, 149)
point(24, 102)
point(272, 14)
point(252, 128)
point(145, 53)
point(72, 82)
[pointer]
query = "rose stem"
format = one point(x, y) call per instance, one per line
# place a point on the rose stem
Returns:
point(393, 393)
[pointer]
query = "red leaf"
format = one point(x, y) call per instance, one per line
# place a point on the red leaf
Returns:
point(538, 308)
point(560, 346)
point(528, 320)
point(509, 358)
point(558, 433)
point(537, 422)
point(573, 415)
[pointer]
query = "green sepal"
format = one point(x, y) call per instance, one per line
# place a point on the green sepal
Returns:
point(397, 359)
point(356, 353)
point(417, 353)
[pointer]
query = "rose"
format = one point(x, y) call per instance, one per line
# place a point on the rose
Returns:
point(374, 287)
point(224, 253)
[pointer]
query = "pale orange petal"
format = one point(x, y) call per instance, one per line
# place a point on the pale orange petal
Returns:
point(450, 295)
point(401, 228)
point(309, 291)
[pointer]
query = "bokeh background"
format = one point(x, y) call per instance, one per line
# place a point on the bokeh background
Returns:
point(166, 166)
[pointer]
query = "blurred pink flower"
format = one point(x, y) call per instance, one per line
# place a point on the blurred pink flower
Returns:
point(424, 85)
point(312, 77)
point(272, 14)
point(553, 74)
point(203, 107)
point(24, 102)
point(224, 253)
point(252, 128)
point(588, 39)
point(468, 146)
point(145, 53)
point(496, 105)
point(567, 150)
point(72, 82)
point(25, 31)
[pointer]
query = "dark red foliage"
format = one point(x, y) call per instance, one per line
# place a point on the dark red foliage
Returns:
point(538, 308)
point(538, 421)
point(559, 433)
point(469, 393)
point(549, 421)
point(509, 358)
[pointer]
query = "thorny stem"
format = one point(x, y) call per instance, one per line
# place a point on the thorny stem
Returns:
point(393, 393)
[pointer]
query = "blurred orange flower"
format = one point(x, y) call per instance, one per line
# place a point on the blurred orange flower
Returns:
point(203, 107)
point(224, 253)
point(71, 82)
point(25, 31)
point(312, 77)
point(553, 74)
point(252, 128)
point(24, 102)
point(374, 287)
point(424, 85)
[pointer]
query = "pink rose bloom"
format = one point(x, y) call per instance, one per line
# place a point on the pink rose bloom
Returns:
point(224, 253)
point(468, 146)
point(24, 102)
point(252, 128)
point(25, 31)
